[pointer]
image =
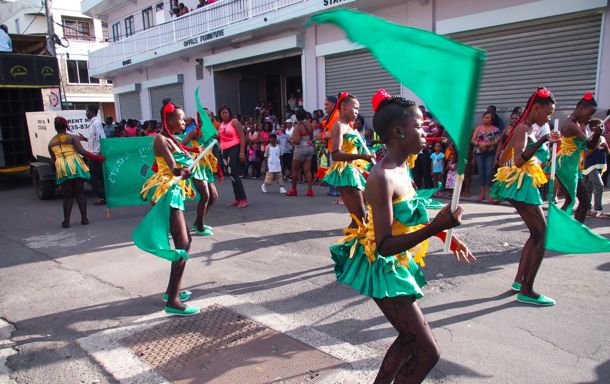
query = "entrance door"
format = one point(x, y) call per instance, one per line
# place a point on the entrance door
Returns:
point(248, 96)
point(274, 93)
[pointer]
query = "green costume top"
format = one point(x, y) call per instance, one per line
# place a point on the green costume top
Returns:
point(163, 181)
point(358, 264)
point(521, 183)
point(348, 173)
point(68, 162)
point(569, 159)
point(165, 193)
point(206, 167)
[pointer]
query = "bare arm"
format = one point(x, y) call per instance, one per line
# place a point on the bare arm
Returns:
point(78, 146)
point(242, 137)
point(161, 148)
point(523, 152)
point(190, 137)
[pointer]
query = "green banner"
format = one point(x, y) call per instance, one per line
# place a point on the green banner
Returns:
point(126, 168)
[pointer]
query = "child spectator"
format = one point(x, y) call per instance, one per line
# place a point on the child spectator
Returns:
point(595, 165)
point(274, 166)
point(438, 165)
point(451, 167)
point(251, 160)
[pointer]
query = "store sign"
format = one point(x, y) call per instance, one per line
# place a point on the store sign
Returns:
point(203, 38)
point(28, 71)
point(330, 3)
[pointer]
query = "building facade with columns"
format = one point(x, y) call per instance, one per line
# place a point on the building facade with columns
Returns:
point(242, 52)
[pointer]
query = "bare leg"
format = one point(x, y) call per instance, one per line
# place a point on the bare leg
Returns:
point(296, 167)
point(204, 199)
point(81, 200)
point(354, 202)
point(182, 240)
point(584, 200)
point(68, 189)
point(414, 352)
point(308, 176)
point(533, 251)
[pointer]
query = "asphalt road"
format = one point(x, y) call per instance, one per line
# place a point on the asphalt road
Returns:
point(59, 285)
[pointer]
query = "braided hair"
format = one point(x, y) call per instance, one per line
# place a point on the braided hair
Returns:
point(389, 112)
point(169, 110)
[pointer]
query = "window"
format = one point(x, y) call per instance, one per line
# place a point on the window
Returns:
point(116, 32)
point(147, 18)
point(105, 31)
point(78, 29)
point(108, 82)
point(129, 26)
point(78, 73)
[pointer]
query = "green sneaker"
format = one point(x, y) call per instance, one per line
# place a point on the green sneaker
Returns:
point(188, 311)
point(194, 227)
point(205, 232)
point(515, 286)
point(184, 296)
point(541, 300)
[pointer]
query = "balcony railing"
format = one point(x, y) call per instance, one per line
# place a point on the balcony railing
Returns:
point(205, 19)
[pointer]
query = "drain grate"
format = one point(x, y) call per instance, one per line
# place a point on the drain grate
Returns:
point(220, 346)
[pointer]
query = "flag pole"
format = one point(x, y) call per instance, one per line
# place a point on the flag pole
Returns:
point(199, 157)
point(455, 200)
point(551, 194)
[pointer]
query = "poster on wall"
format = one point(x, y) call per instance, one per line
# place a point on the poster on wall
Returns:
point(50, 99)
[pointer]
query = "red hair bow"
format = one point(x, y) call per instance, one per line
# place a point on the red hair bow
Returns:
point(169, 108)
point(588, 96)
point(543, 92)
point(378, 97)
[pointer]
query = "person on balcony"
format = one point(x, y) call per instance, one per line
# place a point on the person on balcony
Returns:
point(6, 44)
point(183, 9)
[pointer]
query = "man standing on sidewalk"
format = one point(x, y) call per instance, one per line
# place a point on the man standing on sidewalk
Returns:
point(96, 133)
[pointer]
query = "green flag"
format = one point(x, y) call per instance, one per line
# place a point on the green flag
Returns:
point(208, 131)
point(126, 168)
point(443, 73)
point(151, 235)
point(566, 234)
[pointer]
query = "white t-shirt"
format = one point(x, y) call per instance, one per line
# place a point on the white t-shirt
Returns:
point(273, 158)
point(96, 133)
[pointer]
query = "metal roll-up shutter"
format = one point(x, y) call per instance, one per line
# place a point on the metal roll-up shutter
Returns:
point(560, 53)
point(359, 74)
point(129, 104)
point(171, 91)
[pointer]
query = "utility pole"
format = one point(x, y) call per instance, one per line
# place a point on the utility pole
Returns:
point(50, 27)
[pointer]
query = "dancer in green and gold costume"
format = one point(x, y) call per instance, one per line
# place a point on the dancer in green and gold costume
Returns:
point(203, 179)
point(380, 257)
point(518, 184)
point(70, 169)
point(570, 156)
point(350, 159)
point(168, 195)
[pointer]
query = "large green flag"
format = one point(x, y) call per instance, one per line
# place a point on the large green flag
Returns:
point(208, 131)
point(445, 74)
point(151, 235)
point(126, 168)
point(566, 234)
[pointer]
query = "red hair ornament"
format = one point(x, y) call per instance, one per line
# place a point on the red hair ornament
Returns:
point(378, 97)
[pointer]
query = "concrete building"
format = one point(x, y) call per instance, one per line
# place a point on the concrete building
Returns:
point(240, 52)
point(77, 34)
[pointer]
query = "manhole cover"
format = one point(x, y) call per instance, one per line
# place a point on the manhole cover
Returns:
point(221, 346)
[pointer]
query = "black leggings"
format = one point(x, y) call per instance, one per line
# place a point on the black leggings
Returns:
point(414, 352)
point(230, 157)
point(74, 189)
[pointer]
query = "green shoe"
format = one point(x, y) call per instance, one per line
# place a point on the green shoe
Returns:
point(541, 300)
point(188, 311)
point(515, 286)
point(184, 296)
point(205, 232)
point(194, 227)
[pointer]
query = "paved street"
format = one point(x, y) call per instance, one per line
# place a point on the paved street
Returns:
point(62, 285)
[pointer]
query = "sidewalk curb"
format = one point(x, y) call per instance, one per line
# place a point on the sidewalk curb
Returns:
point(127, 368)
point(7, 349)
